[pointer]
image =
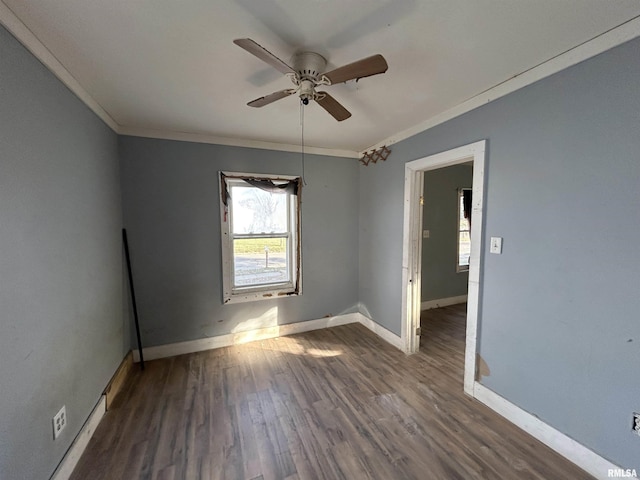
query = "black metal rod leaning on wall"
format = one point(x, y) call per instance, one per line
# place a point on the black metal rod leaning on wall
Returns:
point(133, 295)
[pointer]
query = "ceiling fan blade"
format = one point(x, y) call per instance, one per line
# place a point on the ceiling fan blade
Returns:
point(362, 68)
point(332, 106)
point(272, 97)
point(263, 54)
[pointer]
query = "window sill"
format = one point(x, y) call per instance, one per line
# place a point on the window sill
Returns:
point(257, 295)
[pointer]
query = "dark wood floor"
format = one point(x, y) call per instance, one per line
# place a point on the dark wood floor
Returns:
point(331, 404)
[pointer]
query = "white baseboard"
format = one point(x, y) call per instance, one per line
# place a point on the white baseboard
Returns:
point(201, 344)
point(70, 459)
point(443, 302)
point(382, 332)
point(573, 451)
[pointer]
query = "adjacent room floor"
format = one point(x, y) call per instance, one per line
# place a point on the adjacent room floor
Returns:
point(330, 404)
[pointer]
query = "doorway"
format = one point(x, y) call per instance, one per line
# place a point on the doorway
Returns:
point(412, 248)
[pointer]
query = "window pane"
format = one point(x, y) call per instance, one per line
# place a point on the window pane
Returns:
point(464, 249)
point(260, 261)
point(257, 211)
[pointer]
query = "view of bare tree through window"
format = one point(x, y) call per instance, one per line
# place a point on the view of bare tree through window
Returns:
point(260, 228)
point(264, 212)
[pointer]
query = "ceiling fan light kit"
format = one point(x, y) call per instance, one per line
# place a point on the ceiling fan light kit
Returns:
point(307, 74)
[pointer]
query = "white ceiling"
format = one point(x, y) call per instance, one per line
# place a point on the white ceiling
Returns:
point(170, 66)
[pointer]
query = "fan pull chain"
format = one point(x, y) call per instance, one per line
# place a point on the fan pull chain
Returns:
point(304, 182)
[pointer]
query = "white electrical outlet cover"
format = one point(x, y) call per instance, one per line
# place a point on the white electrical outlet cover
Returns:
point(59, 422)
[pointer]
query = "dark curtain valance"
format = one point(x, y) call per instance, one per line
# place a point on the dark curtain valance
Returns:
point(268, 185)
point(466, 204)
point(290, 186)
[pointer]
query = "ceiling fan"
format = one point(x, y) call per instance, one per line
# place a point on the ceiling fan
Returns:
point(307, 73)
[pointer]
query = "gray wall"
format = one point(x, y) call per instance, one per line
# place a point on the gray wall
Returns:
point(61, 323)
point(440, 216)
point(559, 325)
point(171, 208)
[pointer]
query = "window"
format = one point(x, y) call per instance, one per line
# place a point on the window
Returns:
point(464, 229)
point(260, 236)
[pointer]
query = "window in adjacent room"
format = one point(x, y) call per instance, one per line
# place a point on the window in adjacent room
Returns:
point(260, 220)
point(464, 229)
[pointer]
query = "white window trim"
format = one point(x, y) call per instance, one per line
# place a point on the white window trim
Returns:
point(460, 268)
point(270, 291)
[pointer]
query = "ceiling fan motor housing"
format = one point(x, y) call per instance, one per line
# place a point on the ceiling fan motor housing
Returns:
point(308, 66)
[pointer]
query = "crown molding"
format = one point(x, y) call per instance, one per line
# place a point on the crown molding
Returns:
point(232, 142)
point(25, 36)
point(590, 48)
point(32, 43)
point(603, 42)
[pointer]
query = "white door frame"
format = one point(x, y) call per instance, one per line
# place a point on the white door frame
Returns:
point(412, 255)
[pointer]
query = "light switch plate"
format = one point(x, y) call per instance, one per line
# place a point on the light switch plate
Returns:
point(496, 245)
point(425, 234)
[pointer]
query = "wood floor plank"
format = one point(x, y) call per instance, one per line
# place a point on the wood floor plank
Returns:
point(338, 403)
